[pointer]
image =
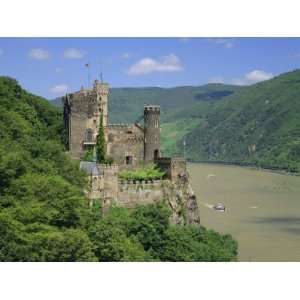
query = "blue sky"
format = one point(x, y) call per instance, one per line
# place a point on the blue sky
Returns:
point(52, 66)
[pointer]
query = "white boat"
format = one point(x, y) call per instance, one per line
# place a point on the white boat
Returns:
point(219, 207)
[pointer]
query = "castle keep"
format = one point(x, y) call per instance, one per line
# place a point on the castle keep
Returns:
point(129, 146)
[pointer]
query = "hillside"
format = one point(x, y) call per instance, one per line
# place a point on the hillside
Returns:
point(258, 125)
point(45, 216)
point(126, 104)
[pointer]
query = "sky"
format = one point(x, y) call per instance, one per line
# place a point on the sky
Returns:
point(51, 67)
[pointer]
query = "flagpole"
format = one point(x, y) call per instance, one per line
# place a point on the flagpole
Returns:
point(89, 75)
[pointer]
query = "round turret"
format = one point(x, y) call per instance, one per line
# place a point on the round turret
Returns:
point(151, 133)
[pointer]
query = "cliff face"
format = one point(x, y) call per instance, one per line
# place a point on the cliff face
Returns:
point(178, 195)
point(182, 201)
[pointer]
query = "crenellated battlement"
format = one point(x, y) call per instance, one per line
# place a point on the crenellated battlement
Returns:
point(114, 167)
point(135, 183)
point(153, 108)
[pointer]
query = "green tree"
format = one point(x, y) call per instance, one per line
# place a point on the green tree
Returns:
point(100, 144)
point(149, 223)
point(112, 240)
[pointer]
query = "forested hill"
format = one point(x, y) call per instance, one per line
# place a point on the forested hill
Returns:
point(259, 125)
point(44, 215)
point(126, 104)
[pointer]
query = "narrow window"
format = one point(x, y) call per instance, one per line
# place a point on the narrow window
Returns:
point(128, 160)
point(156, 154)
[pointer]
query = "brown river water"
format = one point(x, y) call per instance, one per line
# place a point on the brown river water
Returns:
point(262, 209)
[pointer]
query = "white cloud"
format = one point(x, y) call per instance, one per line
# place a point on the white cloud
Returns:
point(39, 54)
point(73, 53)
point(258, 75)
point(226, 43)
point(59, 89)
point(253, 77)
point(169, 63)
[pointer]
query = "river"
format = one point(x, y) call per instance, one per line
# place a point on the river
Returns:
point(262, 209)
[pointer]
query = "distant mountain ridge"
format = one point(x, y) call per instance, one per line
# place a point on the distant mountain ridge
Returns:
point(126, 104)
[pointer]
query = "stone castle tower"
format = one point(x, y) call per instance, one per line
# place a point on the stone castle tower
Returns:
point(82, 111)
point(151, 133)
point(127, 144)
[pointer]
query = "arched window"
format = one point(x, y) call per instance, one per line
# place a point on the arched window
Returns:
point(89, 135)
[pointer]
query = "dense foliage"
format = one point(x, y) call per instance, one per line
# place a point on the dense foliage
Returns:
point(44, 215)
point(145, 234)
point(147, 172)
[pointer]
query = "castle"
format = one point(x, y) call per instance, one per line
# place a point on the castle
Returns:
point(129, 146)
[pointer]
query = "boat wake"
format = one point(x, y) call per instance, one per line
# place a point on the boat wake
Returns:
point(208, 205)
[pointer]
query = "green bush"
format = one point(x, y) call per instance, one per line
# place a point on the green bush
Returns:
point(149, 172)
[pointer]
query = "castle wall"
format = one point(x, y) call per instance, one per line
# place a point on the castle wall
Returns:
point(132, 194)
point(125, 141)
point(111, 188)
point(178, 196)
point(174, 167)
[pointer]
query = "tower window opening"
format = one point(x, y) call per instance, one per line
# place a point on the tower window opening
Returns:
point(128, 160)
point(89, 135)
point(156, 154)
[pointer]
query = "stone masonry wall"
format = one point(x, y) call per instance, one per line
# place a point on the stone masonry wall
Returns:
point(125, 140)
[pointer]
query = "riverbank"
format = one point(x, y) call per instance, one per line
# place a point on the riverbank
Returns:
point(247, 165)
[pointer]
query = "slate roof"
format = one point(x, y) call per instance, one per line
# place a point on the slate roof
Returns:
point(90, 168)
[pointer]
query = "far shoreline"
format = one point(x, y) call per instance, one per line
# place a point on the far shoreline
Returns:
point(246, 165)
